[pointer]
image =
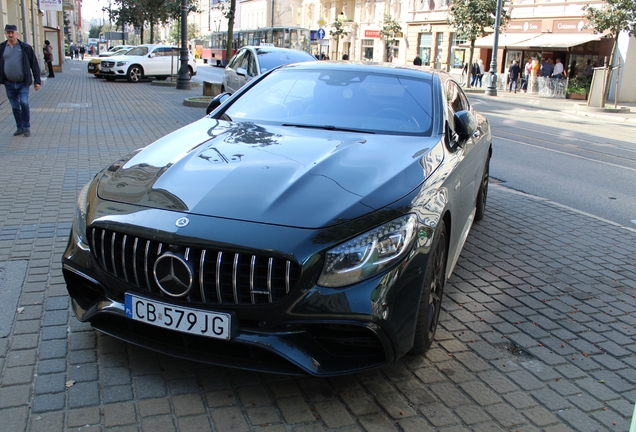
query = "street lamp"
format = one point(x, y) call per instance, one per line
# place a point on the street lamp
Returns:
point(491, 90)
point(183, 82)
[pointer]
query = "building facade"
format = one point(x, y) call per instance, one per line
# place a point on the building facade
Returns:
point(38, 22)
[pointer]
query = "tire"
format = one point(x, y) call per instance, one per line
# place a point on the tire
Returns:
point(189, 72)
point(482, 195)
point(431, 301)
point(135, 73)
point(109, 78)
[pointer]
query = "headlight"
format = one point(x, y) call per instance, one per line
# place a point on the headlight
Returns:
point(369, 253)
point(122, 63)
point(80, 212)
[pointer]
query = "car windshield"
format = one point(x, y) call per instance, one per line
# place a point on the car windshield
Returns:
point(138, 51)
point(339, 99)
point(269, 59)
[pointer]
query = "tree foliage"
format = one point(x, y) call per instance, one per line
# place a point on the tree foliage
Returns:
point(391, 31)
point(140, 13)
point(474, 19)
point(338, 31)
point(612, 17)
point(94, 31)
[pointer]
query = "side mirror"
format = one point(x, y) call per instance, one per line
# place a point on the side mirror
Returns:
point(216, 102)
point(151, 55)
point(241, 71)
point(465, 125)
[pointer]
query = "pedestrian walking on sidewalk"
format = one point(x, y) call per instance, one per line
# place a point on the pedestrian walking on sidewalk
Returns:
point(48, 57)
point(19, 69)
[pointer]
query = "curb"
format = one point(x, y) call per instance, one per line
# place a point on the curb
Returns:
point(197, 102)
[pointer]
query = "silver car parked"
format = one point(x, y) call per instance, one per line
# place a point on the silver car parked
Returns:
point(251, 61)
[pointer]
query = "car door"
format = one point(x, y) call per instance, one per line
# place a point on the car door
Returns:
point(154, 61)
point(463, 182)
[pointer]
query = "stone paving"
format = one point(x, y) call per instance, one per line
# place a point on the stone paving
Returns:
point(537, 334)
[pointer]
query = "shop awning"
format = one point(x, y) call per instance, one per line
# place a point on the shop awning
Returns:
point(505, 40)
point(556, 40)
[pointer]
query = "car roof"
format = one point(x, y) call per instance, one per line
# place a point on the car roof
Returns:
point(378, 67)
point(272, 48)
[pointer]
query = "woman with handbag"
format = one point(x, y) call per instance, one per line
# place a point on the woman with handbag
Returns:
point(48, 57)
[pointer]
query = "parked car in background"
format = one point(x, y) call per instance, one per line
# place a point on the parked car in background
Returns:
point(159, 61)
point(251, 61)
point(94, 63)
point(119, 47)
point(307, 225)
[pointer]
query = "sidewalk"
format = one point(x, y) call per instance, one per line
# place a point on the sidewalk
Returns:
point(570, 106)
point(537, 331)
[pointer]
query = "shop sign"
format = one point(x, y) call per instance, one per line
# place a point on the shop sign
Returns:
point(570, 26)
point(372, 34)
point(524, 27)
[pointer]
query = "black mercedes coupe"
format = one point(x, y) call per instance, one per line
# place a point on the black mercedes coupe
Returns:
point(306, 225)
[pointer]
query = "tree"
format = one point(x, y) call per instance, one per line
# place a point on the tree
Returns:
point(94, 31)
point(391, 30)
point(337, 31)
point(230, 30)
point(473, 19)
point(175, 32)
point(614, 17)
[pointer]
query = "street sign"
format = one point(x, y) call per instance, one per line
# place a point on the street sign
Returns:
point(321, 22)
point(320, 33)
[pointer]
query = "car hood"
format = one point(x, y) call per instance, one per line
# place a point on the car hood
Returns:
point(303, 178)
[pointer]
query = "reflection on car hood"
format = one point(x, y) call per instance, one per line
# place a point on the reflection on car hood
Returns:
point(275, 175)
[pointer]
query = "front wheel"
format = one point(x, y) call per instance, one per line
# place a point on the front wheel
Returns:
point(482, 194)
point(431, 301)
point(135, 73)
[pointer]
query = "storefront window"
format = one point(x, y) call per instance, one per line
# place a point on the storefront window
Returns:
point(513, 55)
point(367, 49)
point(458, 55)
point(426, 42)
point(440, 48)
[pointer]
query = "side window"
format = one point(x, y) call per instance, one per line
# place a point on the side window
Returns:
point(251, 65)
point(233, 64)
point(456, 99)
point(245, 60)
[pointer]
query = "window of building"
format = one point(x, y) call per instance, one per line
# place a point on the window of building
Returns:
point(367, 49)
point(425, 44)
point(440, 49)
point(458, 55)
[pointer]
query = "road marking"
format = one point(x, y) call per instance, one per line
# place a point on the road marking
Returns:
point(565, 153)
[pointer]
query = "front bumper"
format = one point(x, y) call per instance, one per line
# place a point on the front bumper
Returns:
point(313, 330)
point(316, 347)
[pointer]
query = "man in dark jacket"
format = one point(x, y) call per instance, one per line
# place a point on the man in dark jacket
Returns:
point(513, 75)
point(19, 68)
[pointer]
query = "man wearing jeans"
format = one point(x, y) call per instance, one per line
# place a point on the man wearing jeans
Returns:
point(19, 69)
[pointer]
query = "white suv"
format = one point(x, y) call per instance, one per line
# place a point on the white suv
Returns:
point(159, 61)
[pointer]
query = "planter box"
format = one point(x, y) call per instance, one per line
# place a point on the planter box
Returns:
point(578, 96)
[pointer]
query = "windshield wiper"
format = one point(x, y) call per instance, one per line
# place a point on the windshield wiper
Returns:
point(327, 127)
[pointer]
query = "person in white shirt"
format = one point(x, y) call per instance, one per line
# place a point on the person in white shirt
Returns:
point(559, 71)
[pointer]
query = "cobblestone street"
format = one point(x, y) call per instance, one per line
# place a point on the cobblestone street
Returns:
point(538, 330)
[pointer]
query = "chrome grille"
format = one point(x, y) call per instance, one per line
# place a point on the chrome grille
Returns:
point(107, 64)
point(220, 276)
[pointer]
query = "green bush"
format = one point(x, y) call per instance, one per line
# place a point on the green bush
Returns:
point(579, 84)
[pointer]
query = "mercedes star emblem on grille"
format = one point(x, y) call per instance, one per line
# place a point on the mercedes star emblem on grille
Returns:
point(173, 275)
point(181, 222)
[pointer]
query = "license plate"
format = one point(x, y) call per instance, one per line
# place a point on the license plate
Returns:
point(105, 69)
point(91, 67)
point(187, 320)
